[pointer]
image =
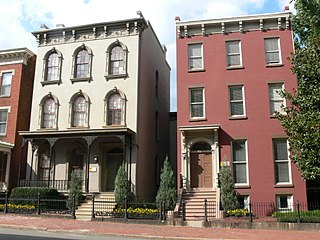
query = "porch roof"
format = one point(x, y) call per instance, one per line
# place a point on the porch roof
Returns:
point(199, 127)
point(70, 133)
point(6, 147)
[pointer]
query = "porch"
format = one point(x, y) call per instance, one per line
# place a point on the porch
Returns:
point(95, 156)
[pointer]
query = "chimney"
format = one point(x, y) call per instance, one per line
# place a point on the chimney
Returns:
point(177, 18)
point(286, 8)
point(43, 26)
point(60, 25)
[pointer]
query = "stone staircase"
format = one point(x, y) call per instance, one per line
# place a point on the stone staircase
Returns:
point(195, 204)
point(84, 211)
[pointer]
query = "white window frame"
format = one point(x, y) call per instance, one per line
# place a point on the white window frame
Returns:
point(237, 101)
point(7, 109)
point(240, 162)
point(1, 86)
point(229, 54)
point(273, 51)
point(273, 100)
point(288, 161)
point(246, 200)
point(191, 68)
point(289, 198)
point(194, 103)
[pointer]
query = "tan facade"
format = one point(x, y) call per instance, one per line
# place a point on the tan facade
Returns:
point(100, 92)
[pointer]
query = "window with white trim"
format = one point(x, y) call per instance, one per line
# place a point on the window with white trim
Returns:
point(239, 161)
point(44, 164)
point(197, 103)
point(53, 67)
point(272, 50)
point(117, 54)
point(236, 97)
point(6, 81)
point(233, 49)
point(284, 202)
point(276, 101)
point(195, 54)
point(3, 121)
point(243, 201)
point(82, 60)
point(281, 161)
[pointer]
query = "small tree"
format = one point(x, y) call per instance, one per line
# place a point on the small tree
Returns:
point(122, 186)
point(167, 192)
point(229, 199)
point(75, 189)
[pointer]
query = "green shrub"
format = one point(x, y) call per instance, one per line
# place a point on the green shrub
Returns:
point(167, 192)
point(20, 195)
point(305, 216)
point(229, 199)
point(122, 187)
point(75, 190)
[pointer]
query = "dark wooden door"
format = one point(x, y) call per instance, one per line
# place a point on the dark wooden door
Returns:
point(201, 170)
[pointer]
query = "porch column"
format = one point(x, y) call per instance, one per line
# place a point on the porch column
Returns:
point(51, 142)
point(34, 147)
point(7, 178)
point(89, 141)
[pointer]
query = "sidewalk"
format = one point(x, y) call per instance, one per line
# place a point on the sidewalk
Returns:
point(144, 230)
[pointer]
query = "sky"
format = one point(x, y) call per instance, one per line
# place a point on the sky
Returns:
point(21, 17)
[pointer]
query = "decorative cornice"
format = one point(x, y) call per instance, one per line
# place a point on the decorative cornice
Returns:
point(15, 56)
point(116, 29)
point(242, 24)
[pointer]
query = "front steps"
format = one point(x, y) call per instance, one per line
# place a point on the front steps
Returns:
point(84, 211)
point(194, 200)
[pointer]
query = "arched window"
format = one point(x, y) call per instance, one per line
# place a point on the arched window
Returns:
point(79, 112)
point(82, 59)
point(115, 110)
point(49, 113)
point(52, 67)
point(201, 146)
point(117, 58)
point(82, 66)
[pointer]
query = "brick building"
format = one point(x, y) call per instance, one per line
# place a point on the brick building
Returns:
point(229, 73)
point(16, 83)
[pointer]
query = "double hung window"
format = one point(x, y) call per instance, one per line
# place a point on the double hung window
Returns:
point(197, 103)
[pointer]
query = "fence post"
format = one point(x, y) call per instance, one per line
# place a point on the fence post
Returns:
point(38, 203)
point(161, 212)
point(183, 212)
point(164, 211)
point(206, 210)
point(250, 213)
point(74, 206)
point(92, 214)
point(6, 202)
point(126, 208)
point(299, 216)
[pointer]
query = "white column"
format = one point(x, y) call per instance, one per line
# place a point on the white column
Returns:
point(6, 183)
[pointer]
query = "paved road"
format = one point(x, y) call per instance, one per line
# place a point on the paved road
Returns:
point(142, 231)
point(21, 234)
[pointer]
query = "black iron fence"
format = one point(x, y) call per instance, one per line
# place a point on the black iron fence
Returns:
point(108, 208)
point(37, 205)
point(61, 185)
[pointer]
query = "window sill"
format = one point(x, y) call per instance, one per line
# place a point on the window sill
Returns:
point(47, 129)
point(234, 67)
point(77, 128)
point(123, 75)
point(245, 186)
point(113, 126)
point(50, 82)
point(87, 79)
point(196, 70)
point(5, 96)
point(238, 118)
point(197, 119)
point(270, 65)
point(284, 185)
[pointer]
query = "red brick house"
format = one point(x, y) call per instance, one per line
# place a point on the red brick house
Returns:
point(229, 72)
point(16, 83)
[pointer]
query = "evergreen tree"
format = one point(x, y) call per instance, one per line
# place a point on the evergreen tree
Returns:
point(302, 121)
point(229, 199)
point(75, 189)
point(167, 192)
point(122, 186)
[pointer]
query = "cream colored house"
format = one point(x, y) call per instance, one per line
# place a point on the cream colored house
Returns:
point(100, 99)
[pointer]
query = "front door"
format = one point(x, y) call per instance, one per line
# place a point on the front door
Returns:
point(201, 170)
point(112, 162)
